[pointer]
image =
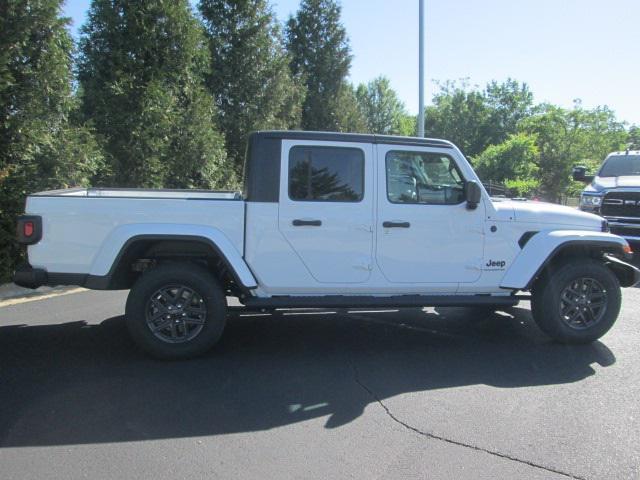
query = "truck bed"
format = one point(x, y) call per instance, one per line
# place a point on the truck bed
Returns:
point(81, 226)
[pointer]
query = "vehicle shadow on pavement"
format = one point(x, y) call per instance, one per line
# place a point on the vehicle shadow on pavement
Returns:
point(74, 383)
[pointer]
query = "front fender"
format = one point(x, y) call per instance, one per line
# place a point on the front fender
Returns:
point(116, 241)
point(545, 244)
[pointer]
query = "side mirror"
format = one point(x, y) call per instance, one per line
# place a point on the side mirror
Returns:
point(579, 174)
point(473, 194)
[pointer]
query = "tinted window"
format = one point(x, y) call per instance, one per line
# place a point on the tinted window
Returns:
point(418, 177)
point(620, 165)
point(326, 174)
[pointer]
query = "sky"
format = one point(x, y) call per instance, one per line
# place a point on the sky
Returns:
point(563, 49)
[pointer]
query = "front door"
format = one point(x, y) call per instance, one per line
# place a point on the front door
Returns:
point(425, 233)
point(326, 208)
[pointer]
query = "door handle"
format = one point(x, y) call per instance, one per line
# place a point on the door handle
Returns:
point(396, 224)
point(306, 223)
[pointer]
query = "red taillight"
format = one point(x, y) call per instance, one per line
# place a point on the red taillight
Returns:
point(28, 229)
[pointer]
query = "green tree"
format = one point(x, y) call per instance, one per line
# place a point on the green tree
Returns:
point(141, 71)
point(513, 159)
point(40, 148)
point(634, 138)
point(348, 115)
point(320, 54)
point(475, 118)
point(408, 125)
point(382, 109)
point(568, 137)
point(249, 76)
point(461, 115)
point(523, 187)
point(509, 102)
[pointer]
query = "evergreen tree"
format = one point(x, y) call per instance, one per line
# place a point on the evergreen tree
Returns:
point(249, 76)
point(40, 148)
point(141, 72)
point(320, 53)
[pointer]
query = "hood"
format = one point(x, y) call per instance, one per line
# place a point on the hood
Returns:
point(543, 213)
point(602, 183)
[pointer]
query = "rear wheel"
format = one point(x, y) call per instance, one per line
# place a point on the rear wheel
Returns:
point(176, 311)
point(578, 302)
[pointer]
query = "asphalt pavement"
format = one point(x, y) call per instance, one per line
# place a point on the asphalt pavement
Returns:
point(433, 393)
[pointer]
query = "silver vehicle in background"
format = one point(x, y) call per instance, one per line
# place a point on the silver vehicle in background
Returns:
point(614, 193)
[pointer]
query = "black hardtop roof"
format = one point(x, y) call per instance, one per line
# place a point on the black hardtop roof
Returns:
point(352, 137)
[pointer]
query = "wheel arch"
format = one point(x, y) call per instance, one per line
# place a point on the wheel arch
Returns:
point(546, 250)
point(121, 260)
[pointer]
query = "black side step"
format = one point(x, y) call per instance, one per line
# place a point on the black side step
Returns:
point(356, 301)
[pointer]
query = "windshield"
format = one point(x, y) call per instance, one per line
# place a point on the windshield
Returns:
point(620, 165)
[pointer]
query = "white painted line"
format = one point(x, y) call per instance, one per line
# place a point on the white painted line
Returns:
point(310, 313)
point(373, 311)
point(17, 301)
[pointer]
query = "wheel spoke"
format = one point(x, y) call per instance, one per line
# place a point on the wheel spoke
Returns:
point(194, 321)
point(167, 298)
point(592, 313)
point(157, 316)
point(188, 298)
point(572, 291)
point(569, 312)
point(565, 296)
point(178, 297)
point(174, 330)
point(577, 314)
point(588, 316)
point(161, 326)
point(195, 309)
point(159, 306)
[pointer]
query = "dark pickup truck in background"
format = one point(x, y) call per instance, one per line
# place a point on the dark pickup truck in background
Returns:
point(614, 193)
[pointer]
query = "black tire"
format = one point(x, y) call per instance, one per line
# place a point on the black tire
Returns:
point(193, 322)
point(559, 296)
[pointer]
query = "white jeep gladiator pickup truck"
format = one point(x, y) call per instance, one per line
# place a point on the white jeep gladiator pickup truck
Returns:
point(327, 220)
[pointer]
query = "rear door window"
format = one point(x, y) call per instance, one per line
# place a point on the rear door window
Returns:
point(326, 174)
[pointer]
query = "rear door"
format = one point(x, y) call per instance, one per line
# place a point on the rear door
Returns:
point(326, 208)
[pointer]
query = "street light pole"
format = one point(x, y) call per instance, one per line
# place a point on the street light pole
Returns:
point(421, 70)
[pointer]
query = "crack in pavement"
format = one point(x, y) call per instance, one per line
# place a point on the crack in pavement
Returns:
point(450, 441)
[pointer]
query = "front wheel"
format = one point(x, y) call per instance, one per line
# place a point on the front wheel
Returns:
point(176, 311)
point(578, 302)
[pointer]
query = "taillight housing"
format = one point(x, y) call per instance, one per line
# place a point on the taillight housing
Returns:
point(29, 229)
